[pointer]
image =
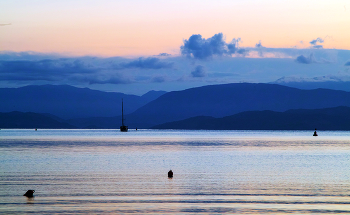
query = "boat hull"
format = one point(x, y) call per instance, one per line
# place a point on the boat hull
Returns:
point(124, 128)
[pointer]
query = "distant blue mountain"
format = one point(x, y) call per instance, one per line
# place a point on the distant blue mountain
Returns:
point(87, 108)
point(229, 99)
point(301, 119)
point(17, 119)
point(70, 102)
point(323, 119)
point(152, 95)
point(333, 85)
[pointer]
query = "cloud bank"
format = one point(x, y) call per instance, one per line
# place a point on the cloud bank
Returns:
point(80, 70)
point(145, 63)
point(163, 55)
point(228, 63)
point(48, 70)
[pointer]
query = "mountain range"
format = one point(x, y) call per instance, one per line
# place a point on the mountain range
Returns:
point(69, 102)
point(245, 102)
point(17, 119)
point(229, 99)
point(337, 118)
point(309, 85)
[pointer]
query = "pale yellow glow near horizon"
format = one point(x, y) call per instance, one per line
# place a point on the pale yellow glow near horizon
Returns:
point(126, 28)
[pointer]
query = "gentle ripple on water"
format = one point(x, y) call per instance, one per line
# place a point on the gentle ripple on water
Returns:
point(108, 172)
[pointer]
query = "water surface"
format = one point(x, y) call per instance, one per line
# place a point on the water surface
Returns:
point(242, 172)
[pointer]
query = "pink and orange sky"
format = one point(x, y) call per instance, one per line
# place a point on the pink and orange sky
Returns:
point(139, 28)
point(135, 46)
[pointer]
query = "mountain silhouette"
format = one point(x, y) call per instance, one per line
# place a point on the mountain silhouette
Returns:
point(85, 108)
point(229, 99)
point(324, 119)
point(70, 102)
point(17, 119)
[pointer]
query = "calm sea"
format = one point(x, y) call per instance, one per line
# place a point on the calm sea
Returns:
point(215, 172)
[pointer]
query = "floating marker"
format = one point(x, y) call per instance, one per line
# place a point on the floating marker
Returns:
point(170, 174)
point(29, 193)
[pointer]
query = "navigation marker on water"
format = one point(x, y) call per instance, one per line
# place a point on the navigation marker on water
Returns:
point(170, 174)
point(29, 193)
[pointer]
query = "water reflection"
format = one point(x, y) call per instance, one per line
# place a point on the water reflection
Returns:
point(30, 200)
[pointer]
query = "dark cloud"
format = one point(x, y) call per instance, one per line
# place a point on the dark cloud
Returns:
point(312, 59)
point(48, 70)
point(78, 70)
point(163, 55)
point(158, 79)
point(222, 74)
point(198, 72)
point(58, 70)
point(145, 63)
point(100, 80)
point(347, 63)
point(318, 40)
point(305, 60)
point(32, 56)
point(233, 47)
point(242, 51)
point(315, 45)
point(201, 48)
point(258, 45)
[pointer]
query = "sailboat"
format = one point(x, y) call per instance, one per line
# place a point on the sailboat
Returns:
point(123, 127)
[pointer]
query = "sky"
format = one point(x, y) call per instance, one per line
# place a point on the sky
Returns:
point(135, 46)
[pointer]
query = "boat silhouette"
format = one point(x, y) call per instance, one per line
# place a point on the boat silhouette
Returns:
point(123, 127)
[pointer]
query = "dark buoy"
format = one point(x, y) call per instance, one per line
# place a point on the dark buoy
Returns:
point(29, 193)
point(315, 133)
point(170, 174)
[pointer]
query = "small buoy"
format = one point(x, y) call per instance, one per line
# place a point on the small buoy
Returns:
point(170, 174)
point(315, 133)
point(29, 193)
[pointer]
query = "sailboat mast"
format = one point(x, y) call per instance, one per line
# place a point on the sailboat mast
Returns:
point(122, 113)
point(123, 127)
